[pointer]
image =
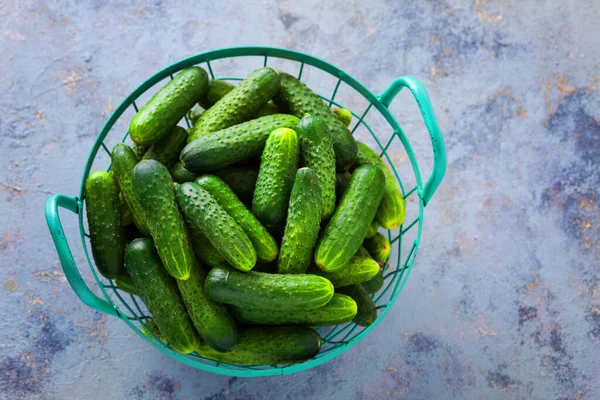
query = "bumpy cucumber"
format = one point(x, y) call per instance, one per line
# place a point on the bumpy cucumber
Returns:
point(269, 346)
point(302, 225)
point(159, 292)
point(339, 310)
point(358, 270)
point(204, 213)
point(125, 283)
point(153, 187)
point(375, 284)
point(301, 101)
point(217, 89)
point(168, 106)
point(372, 229)
point(278, 166)
point(317, 154)
point(348, 226)
point(204, 249)
point(379, 247)
point(392, 210)
point(367, 311)
point(231, 145)
point(268, 291)
point(264, 244)
point(344, 115)
point(180, 174)
point(239, 104)
point(241, 180)
point(167, 149)
point(104, 219)
point(152, 327)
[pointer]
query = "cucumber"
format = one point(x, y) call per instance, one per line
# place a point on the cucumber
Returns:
point(126, 217)
point(339, 310)
point(264, 244)
point(241, 180)
point(180, 174)
point(302, 225)
point(343, 115)
point(301, 101)
point(204, 213)
point(159, 292)
point(204, 249)
point(358, 270)
point(212, 321)
point(392, 211)
point(125, 283)
point(217, 89)
point(168, 106)
point(195, 113)
point(152, 327)
point(231, 145)
point(269, 346)
point(367, 310)
point(342, 180)
point(268, 291)
point(104, 219)
point(124, 161)
point(166, 151)
point(239, 104)
point(153, 188)
point(278, 166)
point(373, 229)
point(139, 150)
point(375, 284)
point(317, 154)
point(379, 248)
point(348, 226)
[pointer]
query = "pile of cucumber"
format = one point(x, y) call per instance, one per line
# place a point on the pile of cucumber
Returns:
point(247, 231)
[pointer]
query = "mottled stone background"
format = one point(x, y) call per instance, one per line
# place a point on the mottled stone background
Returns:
point(504, 298)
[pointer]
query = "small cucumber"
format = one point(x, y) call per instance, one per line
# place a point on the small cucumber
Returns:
point(264, 244)
point(268, 291)
point(217, 89)
point(204, 213)
point(358, 270)
point(104, 219)
point(317, 154)
point(241, 180)
point(344, 115)
point(379, 248)
point(204, 249)
point(302, 225)
point(367, 311)
point(278, 166)
point(348, 226)
point(339, 310)
point(180, 174)
point(125, 283)
point(159, 292)
point(269, 346)
point(373, 228)
point(166, 151)
point(168, 106)
point(153, 187)
point(152, 327)
point(375, 284)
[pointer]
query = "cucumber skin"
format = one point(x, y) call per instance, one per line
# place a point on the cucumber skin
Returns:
point(166, 151)
point(234, 144)
point(348, 226)
point(124, 161)
point(367, 311)
point(358, 270)
point(204, 249)
point(159, 292)
point(168, 106)
point(125, 283)
point(344, 115)
point(339, 310)
point(264, 244)
point(239, 104)
point(180, 174)
point(153, 187)
point(269, 346)
point(204, 213)
point(302, 224)
point(375, 284)
point(241, 180)
point(379, 248)
point(268, 291)
point(152, 327)
point(278, 166)
point(106, 233)
point(212, 321)
point(139, 150)
point(217, 89)
point(317, 153)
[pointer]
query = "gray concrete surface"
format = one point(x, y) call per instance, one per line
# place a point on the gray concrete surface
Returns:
point(504, 298)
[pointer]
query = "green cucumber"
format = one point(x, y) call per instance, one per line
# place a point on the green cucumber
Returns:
point(358, 270)
point(231, 145)
point(166, 151)
point(204, 213)
point(373, 229)
point(159, 292)
point(344, 115)
point(268, 291)
point(342, 180)
point(348, 226)
point(302, 225)
point(278, 166)
point(212, 321)
point(379, 247)
point(301, 101)
point(125, 283)
point(152, 327)
point(375, 284)
point(392, 211)
point(317, 154)
point(153, 187)
point(339, 310)
point(180, 174)
point(217, 89)
point(126, 217)
point(264, 244)
point(168, 106)
point(269, 346)
point(204, 249)
point(241, 180)
point(104, 219)
point(195, 113)
point(367, 310)
point(124, 161)
point(239, 104)
point(139, 150)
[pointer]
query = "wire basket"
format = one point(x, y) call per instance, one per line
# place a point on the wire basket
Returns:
point(337, 339)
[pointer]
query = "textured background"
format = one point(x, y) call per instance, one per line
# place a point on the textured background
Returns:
point(504, 298)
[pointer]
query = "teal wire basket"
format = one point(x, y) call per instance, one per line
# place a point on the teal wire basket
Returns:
point(337, 339)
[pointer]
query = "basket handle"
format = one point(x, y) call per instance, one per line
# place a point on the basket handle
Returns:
point(65, 256)
point(435, 133)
